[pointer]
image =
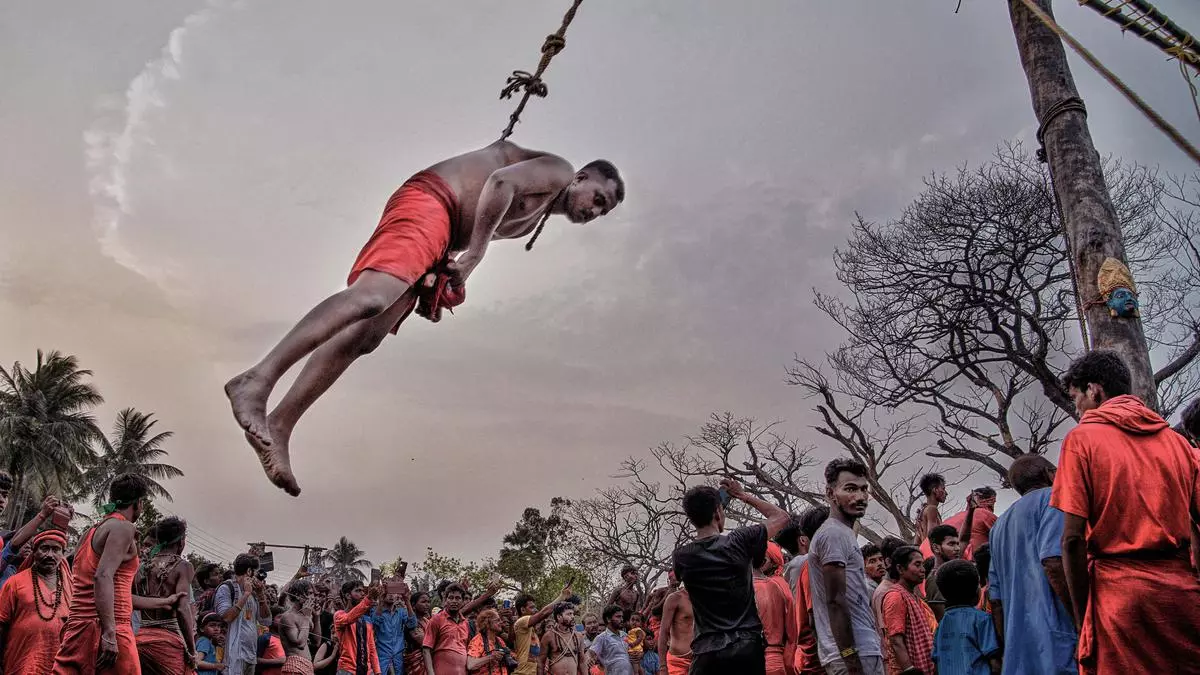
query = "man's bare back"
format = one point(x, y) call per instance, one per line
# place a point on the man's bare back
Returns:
point(500, 192)
point(677, 622)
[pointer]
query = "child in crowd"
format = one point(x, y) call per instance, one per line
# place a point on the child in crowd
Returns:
point(636, 640)
point(210, 647)
point(650, 658)
point(965, 642)
point(983, 562)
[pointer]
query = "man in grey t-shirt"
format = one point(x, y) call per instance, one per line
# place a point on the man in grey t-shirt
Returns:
point(847, 643)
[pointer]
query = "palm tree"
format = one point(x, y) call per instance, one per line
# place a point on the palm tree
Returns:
point(46, 426)
point(133, 448)
point(344, 559)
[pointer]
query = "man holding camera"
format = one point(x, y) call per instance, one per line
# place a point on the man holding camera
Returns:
point(242, 604)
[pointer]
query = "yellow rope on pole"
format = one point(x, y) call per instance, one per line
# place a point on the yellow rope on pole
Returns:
point(531, 83)
point(1156, 119)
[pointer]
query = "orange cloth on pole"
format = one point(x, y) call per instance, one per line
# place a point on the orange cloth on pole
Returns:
point(1136, 482)
point(81, 635)
point(345, 627)
point(161, 652)
point(678, 665)
point(30, 642)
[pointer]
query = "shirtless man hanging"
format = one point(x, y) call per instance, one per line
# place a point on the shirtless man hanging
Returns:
point(675, 640)
point(562, 646)
point(628, 596)
point(502, 191)
point(294, 626)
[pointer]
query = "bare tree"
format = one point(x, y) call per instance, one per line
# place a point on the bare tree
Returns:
point(965, 305)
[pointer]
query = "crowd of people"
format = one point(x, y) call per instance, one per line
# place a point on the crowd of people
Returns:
point(1092, 570)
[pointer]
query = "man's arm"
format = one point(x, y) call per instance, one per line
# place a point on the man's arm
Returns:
point(664, 631)
point(1075, 565)
point(839, 613)
point(475, 604)
point(323, 662)
point(998, 618)
point(226, 606)
point(1057, 576)
point(542, 175)
point(30, 529)
point(777, 518)
point(964, 532)
point(185, 613)
point(118, 541)
point(428, 654)
point(549, 609)
point(343, 619)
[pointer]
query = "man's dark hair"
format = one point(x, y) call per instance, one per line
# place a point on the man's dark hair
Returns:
point(609, 171)
point(206, 570)
point(562, 607)
point(244, 563)
point(869, 550)
point(453, 588)
point(1189, 421)
point(297, 588)
point(985, 492)
point(789, 537)
point(941, 533)
point(812, 520)
point(983, 561)
point(170, 531)
point(930, 482)
point(1100, 367)
point(846, 464)
point(958, 580)
point(610, 611)
point(127, 489)
point(889, 545)
point(348, 587)
point(520, 601)
point(627, 569)
point(6, 481)
point(1030, 472)
point(700, 504)
point(900, 559)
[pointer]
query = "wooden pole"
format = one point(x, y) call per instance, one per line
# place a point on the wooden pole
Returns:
point(1093, 232)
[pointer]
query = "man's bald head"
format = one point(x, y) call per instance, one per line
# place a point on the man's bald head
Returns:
point(1030, 472)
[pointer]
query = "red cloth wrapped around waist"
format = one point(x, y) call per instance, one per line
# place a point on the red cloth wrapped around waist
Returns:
point(161, 652)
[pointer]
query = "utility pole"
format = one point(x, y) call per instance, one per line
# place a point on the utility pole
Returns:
point(308, 550)
point(1092, 231)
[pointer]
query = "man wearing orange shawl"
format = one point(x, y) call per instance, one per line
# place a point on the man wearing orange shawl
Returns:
point(1129, 487)
point(773, 598)
point(33, 607)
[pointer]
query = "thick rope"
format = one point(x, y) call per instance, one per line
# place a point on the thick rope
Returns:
point(1156, 119)
point(532, 83)
point(1063, 106)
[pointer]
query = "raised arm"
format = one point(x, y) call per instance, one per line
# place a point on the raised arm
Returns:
point(777, 518)
point(549, 609)
point(27, 531)
point(542, 175)
point(964, 532)
point(343, 619)
point(492, 589)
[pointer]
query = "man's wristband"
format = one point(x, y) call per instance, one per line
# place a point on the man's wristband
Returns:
point(848, 652)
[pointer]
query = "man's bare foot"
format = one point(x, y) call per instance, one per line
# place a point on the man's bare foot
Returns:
point(247, 395)
point(276, 462)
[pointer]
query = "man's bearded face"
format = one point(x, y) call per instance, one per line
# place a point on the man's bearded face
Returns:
point(47, 556)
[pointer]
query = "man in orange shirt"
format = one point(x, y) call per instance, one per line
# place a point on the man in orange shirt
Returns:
point(805, 659)
point(33, 608)
point(355, 634)
point(774, 602)
point(1130, 491)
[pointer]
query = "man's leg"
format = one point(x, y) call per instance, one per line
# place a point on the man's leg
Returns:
point(321, 370)
point(372, 294)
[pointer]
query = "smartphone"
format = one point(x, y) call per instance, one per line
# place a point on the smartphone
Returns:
point(724, 497)
point(402, 569)
point(507, 604)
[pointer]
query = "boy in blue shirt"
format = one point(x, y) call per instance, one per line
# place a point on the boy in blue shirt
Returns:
point(965, 642)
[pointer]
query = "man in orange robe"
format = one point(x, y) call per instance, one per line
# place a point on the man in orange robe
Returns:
point(98, 637)
point(774, 602)
point(1130, 491)
point(805, 660)
point(33, 608)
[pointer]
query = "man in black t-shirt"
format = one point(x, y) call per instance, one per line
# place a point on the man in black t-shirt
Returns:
point(717, 570)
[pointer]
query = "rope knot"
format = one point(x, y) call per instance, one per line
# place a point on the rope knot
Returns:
point(554, 44)
point(522, 80)
point(1065, 105)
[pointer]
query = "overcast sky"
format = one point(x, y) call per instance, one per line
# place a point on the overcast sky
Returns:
point(181, 180)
